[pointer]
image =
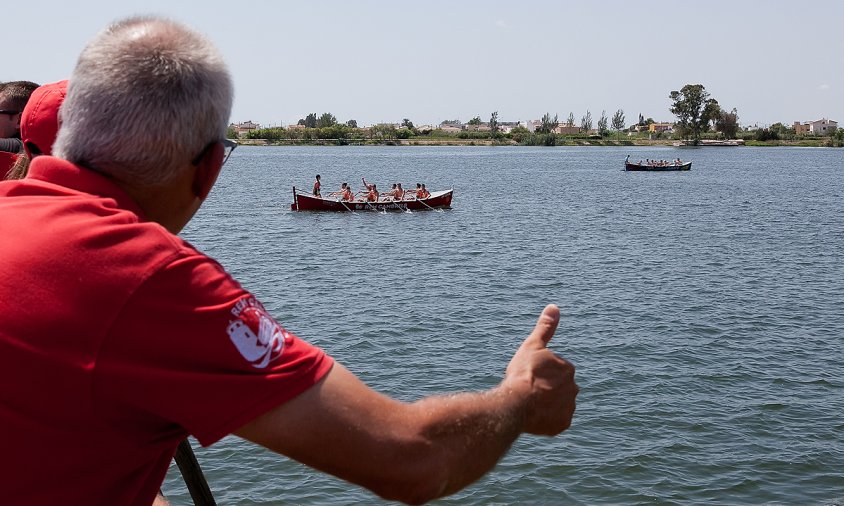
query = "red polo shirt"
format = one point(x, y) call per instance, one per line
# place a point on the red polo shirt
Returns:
point(117, 340)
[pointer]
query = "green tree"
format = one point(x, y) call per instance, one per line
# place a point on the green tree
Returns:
point(727, 123)
point(570, 121)
point(493, 124)
point(618, 121)
point(475, 121)
point(603, 123)
point(406, 123)
point(519, 133)
point(326, 120)
point(586, 122)
point(352, 123)
point(693, 109)
point(231, 133)
point(310, 121)
point(546, 124)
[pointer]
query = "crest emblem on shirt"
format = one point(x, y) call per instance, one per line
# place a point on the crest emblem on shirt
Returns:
point(255, 334)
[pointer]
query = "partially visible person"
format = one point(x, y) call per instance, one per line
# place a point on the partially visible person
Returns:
point(423, 192)
point(347, 194)
point(392, 192)
point(338, 192)
point(372, 196)
point(317, 186)
point(415, 192)
point(118, 339)
point(13, 98)
point(39, 125)
point(399, 192)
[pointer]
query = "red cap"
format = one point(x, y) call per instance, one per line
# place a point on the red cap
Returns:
point(40, 117)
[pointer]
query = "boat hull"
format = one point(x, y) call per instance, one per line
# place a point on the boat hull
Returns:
point(655, 168)
point(307, 202)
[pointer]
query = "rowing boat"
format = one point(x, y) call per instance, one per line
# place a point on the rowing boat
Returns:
point(642, 167)
point(303, 201)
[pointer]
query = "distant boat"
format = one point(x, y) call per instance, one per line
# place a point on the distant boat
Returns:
point(656, 168)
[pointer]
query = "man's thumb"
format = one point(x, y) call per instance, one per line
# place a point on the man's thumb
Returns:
point(545, 327)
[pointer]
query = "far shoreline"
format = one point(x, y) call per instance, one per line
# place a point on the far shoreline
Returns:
point(813, 143)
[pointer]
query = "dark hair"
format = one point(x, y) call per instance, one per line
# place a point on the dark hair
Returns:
point(317, 176)
point(17, 93)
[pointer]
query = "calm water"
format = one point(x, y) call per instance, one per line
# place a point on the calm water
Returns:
point(704, 311)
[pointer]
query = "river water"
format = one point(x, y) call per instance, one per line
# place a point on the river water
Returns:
point(704, 311)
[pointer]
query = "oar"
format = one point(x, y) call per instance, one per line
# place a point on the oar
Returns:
point(400, 208)
point(347, 207)
point(192, 474)
point(429, 207)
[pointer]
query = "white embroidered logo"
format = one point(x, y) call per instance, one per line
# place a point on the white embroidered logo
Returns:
point(255, 333)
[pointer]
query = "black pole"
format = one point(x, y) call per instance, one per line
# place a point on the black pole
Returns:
point(192, 474)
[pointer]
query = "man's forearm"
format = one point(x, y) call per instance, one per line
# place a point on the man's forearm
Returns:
point(470, 432)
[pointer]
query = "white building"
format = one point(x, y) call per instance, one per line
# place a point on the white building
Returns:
point(822, 126)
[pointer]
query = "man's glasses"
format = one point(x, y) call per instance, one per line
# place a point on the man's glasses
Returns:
point(228, 147)
point(9, 112)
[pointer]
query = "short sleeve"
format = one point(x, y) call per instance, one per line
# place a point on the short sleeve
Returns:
point(193, 352)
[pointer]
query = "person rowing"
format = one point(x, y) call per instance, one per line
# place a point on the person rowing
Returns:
point(339, 192)
point(422, 192)
point(347, 194)
point(372, 196)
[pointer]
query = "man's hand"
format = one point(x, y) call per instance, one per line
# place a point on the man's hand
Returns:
point(546, 379)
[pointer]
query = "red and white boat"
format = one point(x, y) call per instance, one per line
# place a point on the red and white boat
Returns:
point(304, 201)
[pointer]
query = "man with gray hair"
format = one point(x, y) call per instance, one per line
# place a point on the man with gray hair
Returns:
point(118, 339)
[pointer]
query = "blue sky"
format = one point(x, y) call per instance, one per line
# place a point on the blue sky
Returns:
point(382, 61)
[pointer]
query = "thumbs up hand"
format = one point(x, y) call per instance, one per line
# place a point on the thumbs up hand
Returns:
point(544, 379)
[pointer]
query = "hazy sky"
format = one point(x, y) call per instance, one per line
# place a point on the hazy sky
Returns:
point(382, 61)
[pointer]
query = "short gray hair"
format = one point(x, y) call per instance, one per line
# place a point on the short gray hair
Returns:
point(147, 96)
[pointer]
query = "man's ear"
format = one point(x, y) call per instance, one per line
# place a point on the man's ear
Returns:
point(207, 171)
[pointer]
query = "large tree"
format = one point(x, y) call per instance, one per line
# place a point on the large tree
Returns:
point(727, 123)
point(326, 120)
point(618, 121)
point(603, 124)
point(586, 122)
point(309, 121)
point(693, 109)
point(493, 124)
point(570, 121)
point(546, 124)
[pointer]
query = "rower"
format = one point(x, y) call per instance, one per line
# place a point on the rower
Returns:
point(372, 196)
point(347, 193)
point(316, 187)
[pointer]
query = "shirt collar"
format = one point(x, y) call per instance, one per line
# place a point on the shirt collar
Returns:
point(67, 175)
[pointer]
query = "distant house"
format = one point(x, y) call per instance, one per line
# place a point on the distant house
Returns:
point(450, 129)
point(506, 127)
point(243, 128)
point(820, 127)
point(295, 126)
point(480, 127)
point(661, 127)
point(566, 129)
